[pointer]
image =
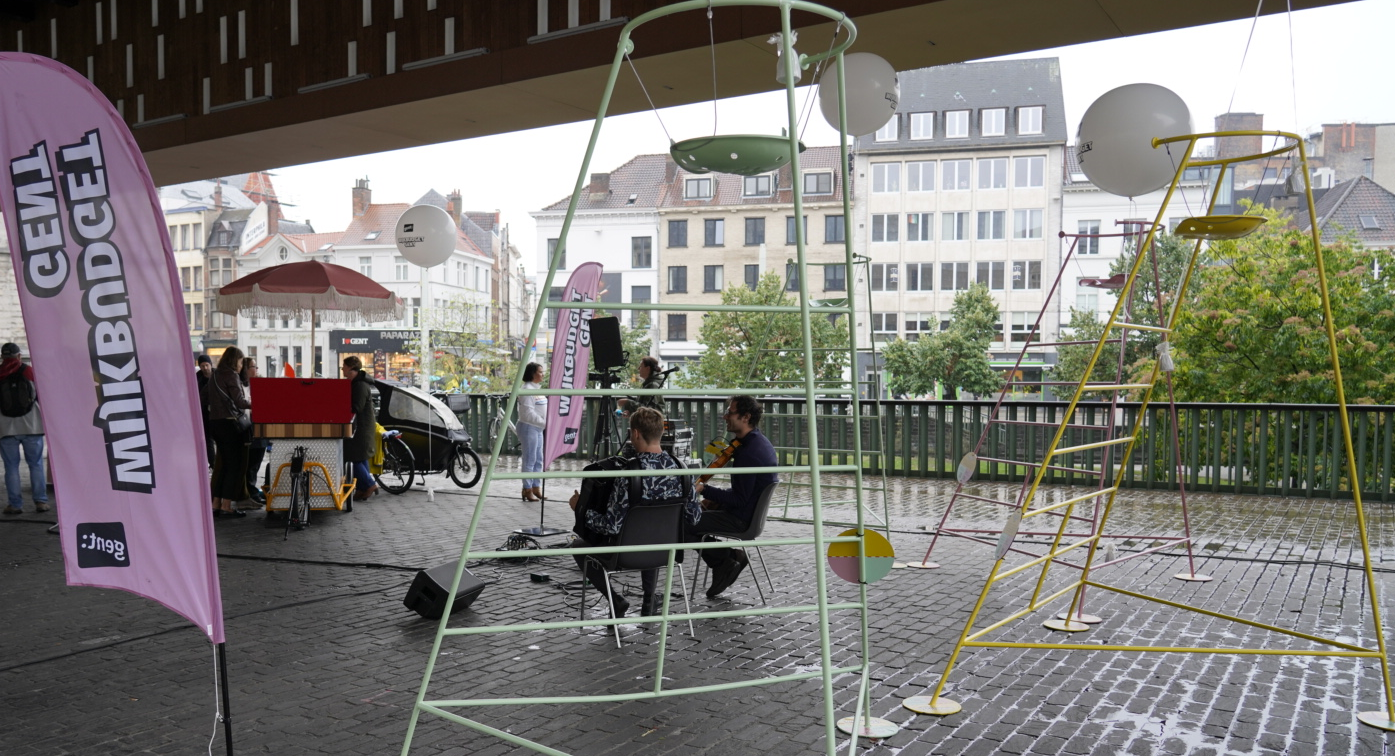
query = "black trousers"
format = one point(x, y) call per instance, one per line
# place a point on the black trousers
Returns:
point(714, 521)
point(648, 579)
point(230, 462)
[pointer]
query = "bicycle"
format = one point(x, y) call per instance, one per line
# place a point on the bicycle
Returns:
point(399, 466)
point(298, 511)
point(502, 423)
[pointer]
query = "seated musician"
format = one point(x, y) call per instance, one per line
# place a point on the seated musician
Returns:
point(729, 510)
point(600, 523)
point(652, 378)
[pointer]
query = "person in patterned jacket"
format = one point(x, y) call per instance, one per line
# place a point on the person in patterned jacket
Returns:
point(602, 526)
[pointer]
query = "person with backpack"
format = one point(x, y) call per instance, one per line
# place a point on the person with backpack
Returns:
point(21, 427)
point(601, 524)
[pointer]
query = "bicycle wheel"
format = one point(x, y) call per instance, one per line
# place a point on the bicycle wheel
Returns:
point(398, 465)
point(464, 467)
point(493, 432)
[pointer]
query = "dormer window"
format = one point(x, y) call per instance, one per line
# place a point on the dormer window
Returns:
point(922, 125)
point(957, 124)
point(756, 186)
point(993, 122)
point(887, 133)
point(1029, 120)
point(373, 235)
point(283, 253)
point(697, 188)
point(818, 183)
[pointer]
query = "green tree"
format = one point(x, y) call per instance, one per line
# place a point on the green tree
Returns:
point(742, 348)
point(956, 358)
point(468, 353)
point(1254, 330)
point(1172, 253)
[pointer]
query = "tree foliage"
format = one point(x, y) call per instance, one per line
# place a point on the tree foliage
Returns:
point(1254, 329)
point(469, 353)
point(956, 358)
point(745, 348)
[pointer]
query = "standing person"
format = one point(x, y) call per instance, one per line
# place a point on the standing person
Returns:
point(602, 526)
point(226, 400)
point(359, 449)
point(729, 510)
point(256, 451)
point(204, 363)
point(532, 418)
point(21, 427)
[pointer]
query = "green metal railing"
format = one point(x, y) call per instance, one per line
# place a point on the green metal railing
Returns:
point(1273, 449)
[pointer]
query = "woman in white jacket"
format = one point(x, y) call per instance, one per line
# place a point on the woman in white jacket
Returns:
point(532, 418)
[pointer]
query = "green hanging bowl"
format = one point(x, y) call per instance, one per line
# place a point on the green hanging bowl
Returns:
point(741, 154)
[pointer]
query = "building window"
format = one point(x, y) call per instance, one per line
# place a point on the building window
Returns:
point(755, 231)
point(697, 188)
point(922, 125)
point(992, 173)
point(954, 276)
point(1029, 120)
point(955, 227)
point(835, 277)
point(1022, 323)
point(554, 295)
point(920, 276)
point(957, 124)
point(677, 327)
point(198, 316)
point(678, 233)
point(551, 251)
point(399, 263)
point(186, 275)
point(714, 232)
point(640, 295)
point(1088, 245)
point(884, 324)
point(677, 279)
point(818, 183)
point(711, 278)
point(756, 186)
point(920, 176)
point(1026, 275)
point(990, 224)
point(918, 226)
point(1086, 300)
point(885, 228)
point(1026, 224)
point(791, 277)
point(790, 229)
point(833, 229)
point(198, 278)
point(990, 274)
point(752, 276)
point(1029, 172)
point(1369, 223)
point(885, 276)
point(993, 122)
point(886, 178)
point(641, 252)
point(955, 175)
point(887, 133)
point(918, 323)
point(365, 266)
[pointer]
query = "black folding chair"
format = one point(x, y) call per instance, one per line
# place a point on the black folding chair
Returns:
point(646, 524)
point(751, 533)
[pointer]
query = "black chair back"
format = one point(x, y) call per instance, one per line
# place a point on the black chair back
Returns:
point(647, 524)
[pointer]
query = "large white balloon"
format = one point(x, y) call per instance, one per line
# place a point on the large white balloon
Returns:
point(872, 89)
point(1115, 141)
point(426, 235)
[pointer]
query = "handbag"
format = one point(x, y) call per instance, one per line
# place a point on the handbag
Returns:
point(244, 421)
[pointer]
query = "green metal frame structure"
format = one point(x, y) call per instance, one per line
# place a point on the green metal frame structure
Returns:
point(817, 542)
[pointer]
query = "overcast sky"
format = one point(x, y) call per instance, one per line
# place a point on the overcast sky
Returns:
point(1341, 62)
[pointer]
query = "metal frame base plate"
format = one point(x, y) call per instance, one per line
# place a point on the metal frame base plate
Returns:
point(1066, 626)
point(875, 727)
point(940, 707)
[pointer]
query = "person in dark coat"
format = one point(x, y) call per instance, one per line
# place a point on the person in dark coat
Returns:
point(359, 449)
point(205, 372)
point(256, 451)
point(225, 399)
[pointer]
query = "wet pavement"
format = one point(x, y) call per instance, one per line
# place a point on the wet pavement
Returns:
point(324, 658)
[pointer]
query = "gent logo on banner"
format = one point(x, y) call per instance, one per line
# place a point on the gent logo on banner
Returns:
point(569, 435)
point(102, 544)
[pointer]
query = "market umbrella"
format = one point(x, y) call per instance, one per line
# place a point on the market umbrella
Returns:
point(309, 288)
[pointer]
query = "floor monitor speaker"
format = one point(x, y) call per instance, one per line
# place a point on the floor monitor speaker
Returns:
point(429, 590)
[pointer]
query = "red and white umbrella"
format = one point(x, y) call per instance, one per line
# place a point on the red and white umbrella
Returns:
point(310, 288)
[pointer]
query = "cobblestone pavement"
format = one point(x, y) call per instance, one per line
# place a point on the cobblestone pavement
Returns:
point(325, 659)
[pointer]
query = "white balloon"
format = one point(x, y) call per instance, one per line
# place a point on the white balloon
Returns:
point(426, 235)
point(872, 89)
point(1115, 141)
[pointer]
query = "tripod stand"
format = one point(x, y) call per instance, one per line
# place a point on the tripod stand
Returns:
point(607, 440)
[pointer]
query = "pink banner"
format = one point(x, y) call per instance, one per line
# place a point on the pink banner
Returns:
point(105, 320)
point(571, 361)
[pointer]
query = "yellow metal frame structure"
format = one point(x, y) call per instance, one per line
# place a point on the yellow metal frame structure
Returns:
point(935, 704)
point(338, 495)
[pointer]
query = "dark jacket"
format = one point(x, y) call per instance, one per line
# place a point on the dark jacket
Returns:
point(360, 447)
point(220, 408)
point(740, 500)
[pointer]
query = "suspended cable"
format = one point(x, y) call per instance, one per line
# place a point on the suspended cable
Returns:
point(1292, 69)
point(645, 90)
point(816, 77)
point(712, 48)
point(1244, 55)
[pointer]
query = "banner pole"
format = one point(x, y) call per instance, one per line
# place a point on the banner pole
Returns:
point(227, 712)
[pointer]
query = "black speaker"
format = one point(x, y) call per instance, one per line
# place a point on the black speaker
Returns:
point(606, 349)
point(429, 590)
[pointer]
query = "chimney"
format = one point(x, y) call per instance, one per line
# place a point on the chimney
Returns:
point(273, 216)
point(600, 183)
point(363, 197)
point(453, 206)
point(1237, 146)
point(218, 194)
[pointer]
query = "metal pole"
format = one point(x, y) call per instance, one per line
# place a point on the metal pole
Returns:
point(227, 712)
